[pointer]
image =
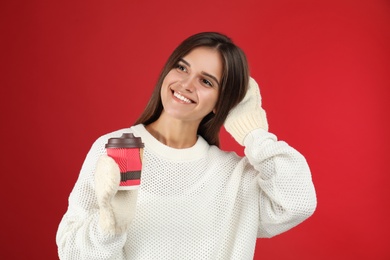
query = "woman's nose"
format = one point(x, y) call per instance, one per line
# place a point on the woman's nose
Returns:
point(188, 84)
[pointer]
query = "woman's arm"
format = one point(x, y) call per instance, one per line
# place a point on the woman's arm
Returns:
point(287, 194)
point(79, 235)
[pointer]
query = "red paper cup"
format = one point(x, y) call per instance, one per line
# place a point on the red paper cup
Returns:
point(126, 151)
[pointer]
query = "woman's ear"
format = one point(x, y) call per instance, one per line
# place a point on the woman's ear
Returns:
point(214, 110)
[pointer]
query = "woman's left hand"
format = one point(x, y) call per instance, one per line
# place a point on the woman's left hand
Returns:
point(247, 115)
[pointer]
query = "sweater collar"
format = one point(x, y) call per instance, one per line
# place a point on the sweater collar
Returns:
point(198, 150)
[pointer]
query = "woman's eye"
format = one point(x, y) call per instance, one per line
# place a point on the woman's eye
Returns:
point(181, 67)
point(207, 82)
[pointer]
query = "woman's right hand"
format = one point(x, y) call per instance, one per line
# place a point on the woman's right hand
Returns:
point(116, 207)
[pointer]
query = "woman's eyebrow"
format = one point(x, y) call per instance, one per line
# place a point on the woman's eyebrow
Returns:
point(211, 76)
point(204, 73)
point(185, 62)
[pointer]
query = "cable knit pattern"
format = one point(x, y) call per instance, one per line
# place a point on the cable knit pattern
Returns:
point(194, 203)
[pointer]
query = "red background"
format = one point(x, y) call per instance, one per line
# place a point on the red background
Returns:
point(74, 70)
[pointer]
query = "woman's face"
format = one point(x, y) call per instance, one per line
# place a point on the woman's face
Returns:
point(190, 90)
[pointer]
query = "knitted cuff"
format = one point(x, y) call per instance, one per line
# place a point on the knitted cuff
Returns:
point(246, 123)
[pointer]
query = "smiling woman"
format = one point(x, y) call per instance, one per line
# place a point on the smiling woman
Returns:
point(189, 93)
point(218, 62)
point(195, 201)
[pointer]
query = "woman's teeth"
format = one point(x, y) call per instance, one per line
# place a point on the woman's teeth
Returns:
point(181, 97)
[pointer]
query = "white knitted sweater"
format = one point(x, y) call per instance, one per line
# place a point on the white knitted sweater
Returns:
point(194, 203)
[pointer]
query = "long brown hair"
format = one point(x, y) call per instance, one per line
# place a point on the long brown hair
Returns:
point(233, 87)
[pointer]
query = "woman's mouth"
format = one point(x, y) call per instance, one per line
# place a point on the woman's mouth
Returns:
point(182, 98)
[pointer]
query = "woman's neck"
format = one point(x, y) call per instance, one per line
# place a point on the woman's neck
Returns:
point(174, 133)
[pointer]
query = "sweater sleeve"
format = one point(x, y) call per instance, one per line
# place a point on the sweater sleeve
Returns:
point(79, 235)
point(287, 194)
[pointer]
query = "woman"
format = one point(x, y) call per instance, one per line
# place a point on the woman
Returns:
point(195, 200)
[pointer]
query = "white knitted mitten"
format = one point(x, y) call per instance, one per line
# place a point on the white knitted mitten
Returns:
point(247, 115)
point(116, 207)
